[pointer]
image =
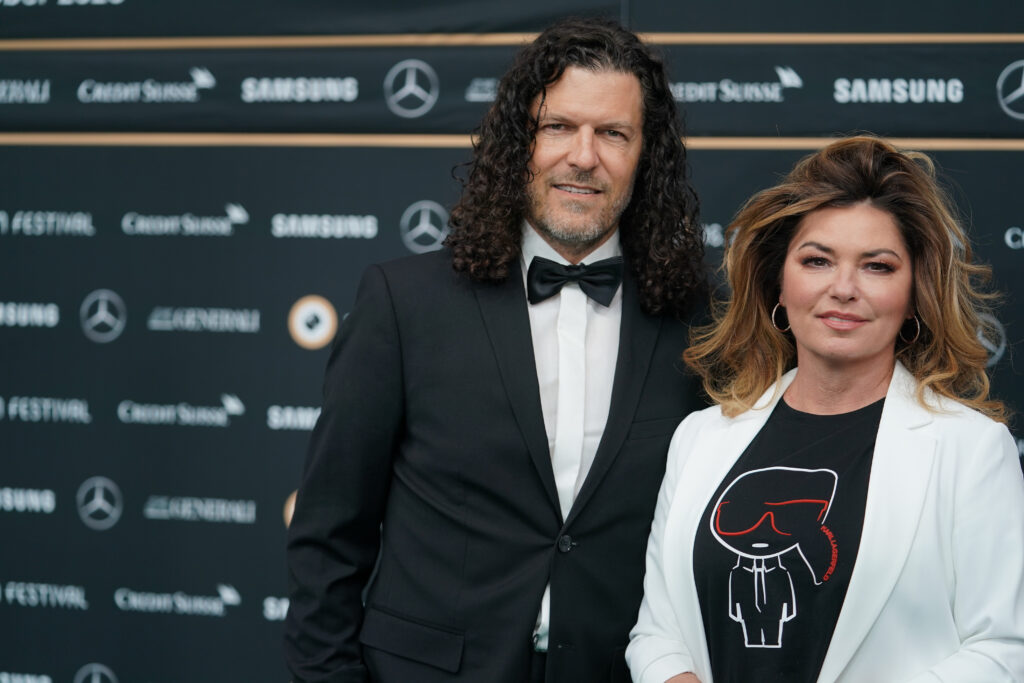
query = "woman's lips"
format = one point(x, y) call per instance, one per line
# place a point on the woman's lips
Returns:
point(841, 321)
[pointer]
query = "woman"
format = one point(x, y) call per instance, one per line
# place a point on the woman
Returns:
point(860, 517)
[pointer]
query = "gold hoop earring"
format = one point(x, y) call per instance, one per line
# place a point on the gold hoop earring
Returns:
point(917, 332)
point(775, 324)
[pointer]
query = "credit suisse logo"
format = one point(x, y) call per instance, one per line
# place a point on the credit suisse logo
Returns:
point(181, 414)
point(148, 91)
point(179, 602)
point(185, 224)
point(729, 90)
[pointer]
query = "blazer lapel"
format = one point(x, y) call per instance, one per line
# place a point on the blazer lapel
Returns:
point(717, 451)
point(637, 336)
point(505, 315)
point(711, 459)
point(900, 471)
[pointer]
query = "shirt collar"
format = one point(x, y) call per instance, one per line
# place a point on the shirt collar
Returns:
point(534, 245)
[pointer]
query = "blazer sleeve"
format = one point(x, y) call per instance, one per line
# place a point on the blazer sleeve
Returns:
point(988, 561)
point(656, 650)
point(334, 537)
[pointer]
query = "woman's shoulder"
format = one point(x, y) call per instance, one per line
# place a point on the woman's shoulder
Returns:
point(950, 413)
point(964, 434)
point(943, 412)
point(701, 423)
point(954, 419)
point(700, 419)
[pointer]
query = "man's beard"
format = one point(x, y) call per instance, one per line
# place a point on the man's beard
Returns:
point(573, 234)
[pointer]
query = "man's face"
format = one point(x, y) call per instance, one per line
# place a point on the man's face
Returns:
point(585, 156)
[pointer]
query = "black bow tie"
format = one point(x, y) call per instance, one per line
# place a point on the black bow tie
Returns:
point(599, 280)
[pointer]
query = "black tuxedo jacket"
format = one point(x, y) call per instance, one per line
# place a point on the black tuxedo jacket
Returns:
point(429, 469)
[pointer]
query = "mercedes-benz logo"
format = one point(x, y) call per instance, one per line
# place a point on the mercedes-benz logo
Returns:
point(411, 88)
point(99, 503)
point(95, 673)
point(1010, 90)
point(994, 344)
point(103, 315)
point(424, 226)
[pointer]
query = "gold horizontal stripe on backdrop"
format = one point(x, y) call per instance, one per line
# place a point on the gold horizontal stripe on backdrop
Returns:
point(450, 141)
point(485, 39)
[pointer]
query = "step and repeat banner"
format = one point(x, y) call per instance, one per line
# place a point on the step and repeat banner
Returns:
point(165, 309)
point(930, 90)
point(134, 18)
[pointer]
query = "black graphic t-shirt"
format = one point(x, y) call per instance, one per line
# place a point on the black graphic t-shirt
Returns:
point(776, 546)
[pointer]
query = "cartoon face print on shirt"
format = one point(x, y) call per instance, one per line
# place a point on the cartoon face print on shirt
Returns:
point(769, 517)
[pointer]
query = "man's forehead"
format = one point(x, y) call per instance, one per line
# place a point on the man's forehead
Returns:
point(596, 70)
point(587, 83)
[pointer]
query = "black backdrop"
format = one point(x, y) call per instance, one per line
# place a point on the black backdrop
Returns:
point(189, 194)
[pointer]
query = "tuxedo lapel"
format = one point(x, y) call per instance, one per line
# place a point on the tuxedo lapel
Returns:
point(900, 473)
point(638, 334)
point(504, 310)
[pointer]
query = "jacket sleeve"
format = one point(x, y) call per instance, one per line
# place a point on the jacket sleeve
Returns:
point(656, 649)
point(334, 537)
point(988, 563)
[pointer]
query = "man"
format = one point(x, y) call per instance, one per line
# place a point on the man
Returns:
point(492, 447)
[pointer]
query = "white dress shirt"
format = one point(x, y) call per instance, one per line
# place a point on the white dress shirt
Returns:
point(571, 329)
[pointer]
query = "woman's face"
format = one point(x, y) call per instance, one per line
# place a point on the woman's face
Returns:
point(846, 286)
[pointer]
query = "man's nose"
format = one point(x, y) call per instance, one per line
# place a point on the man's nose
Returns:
point(583, 152)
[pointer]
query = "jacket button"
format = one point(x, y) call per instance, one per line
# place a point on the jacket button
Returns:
point(565, 543)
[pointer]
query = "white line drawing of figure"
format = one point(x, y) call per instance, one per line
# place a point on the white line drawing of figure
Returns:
point(762, 515)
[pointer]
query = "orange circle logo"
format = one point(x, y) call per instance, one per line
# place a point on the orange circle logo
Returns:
point(312, 322)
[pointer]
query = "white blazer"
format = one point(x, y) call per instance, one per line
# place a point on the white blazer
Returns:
point(937, 591)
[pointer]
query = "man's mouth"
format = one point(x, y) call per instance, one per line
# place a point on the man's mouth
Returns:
point(573, 189)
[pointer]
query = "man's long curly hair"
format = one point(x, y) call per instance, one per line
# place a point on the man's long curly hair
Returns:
point(661, 236)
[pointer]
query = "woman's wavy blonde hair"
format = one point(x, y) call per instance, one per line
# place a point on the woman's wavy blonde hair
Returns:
point(741, 354)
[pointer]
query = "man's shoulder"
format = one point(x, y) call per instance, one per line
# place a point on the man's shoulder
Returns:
point(426, 280)
point(432, 264)
point(417, 275)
